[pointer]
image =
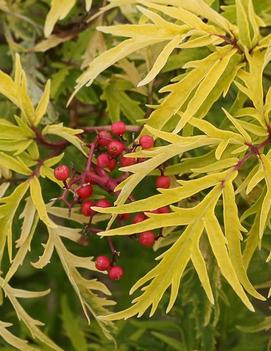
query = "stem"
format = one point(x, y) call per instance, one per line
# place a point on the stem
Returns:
point(130, 128)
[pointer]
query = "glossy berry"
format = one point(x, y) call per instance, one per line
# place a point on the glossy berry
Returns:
point(163, 182)
point(86, 208)
point(62, 172)
point(127, 161)
point(102, 263)
point(146, 238)
point(146, 141)
point(118, 128)
point(140, 217)
point(112, 164)
point(115, 148)
point(115, 273)
point(103, 203)
point(104, 138)
point(84, 191)
point(103, 160)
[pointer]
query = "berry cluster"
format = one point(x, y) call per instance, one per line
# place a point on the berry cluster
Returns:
point(106, 154)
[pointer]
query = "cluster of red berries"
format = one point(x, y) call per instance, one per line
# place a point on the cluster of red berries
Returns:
point(103, 263)
point(105, 153)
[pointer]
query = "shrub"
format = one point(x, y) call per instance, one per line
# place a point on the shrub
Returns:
point(187, 172)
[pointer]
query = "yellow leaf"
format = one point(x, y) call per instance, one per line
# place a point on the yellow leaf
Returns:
point(51, 42)
point(13, 340)
point(66, 133)
point(238, 126)
point(167, 196)
point(110, 57)
point(36, 195)
point(7, 212)
point(266, 201)
point(88, 4)
point(255, 180)
point(206, 86)
point(218, 245)
point(58, 11)
point(169, 270)
point(43, 103)
point(233, 235)
point(160, 61)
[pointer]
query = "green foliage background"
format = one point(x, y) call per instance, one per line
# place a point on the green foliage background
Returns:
point(193, 323)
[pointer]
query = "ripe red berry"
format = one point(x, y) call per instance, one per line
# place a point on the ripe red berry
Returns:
point(103, 160)
point(103, 203)
point(127, 161)
point(115, 273)
point(164, 209)
point(146, 238)
point(104, 138)
point(163, 182)
point(140, 217)
point(86, 208)
point(112, 164)
point(146, 141)
point(62, 172)
point(102, 263)
point(118, 128)
point(84, 191)
point(115, 148)
point(124, 216)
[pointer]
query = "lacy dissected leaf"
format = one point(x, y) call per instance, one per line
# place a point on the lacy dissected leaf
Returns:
point(140, 36)
point(8, 209)
point(13, 340)
point(84, 288)
point(266, 204)
point(24, 246)
point(36, 195)
point(248, 24)
point(66, 133)
point(169, 271)
point(233, 235)
point(31, 324)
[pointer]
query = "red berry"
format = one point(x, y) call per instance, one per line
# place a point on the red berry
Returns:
point(164, 209)
point(112, 164)
point(146, 141)
point(124, 216)
point(146, 238)
point(104, 138)
point(103, 203)
point(102, 263)
point(86, 208)
point(140, 217)
point(127, 161)
point(84, 191)
point(118, 128)
point(115, 147)
point(115, 273)
point(103, 160)
point(163, 182)
point(62, 172)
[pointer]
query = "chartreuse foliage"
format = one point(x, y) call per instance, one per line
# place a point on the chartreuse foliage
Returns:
point(213, 137)
point(20, 154)
point(238, 56)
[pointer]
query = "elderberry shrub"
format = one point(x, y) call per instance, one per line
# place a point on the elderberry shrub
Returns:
point(107, 153)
